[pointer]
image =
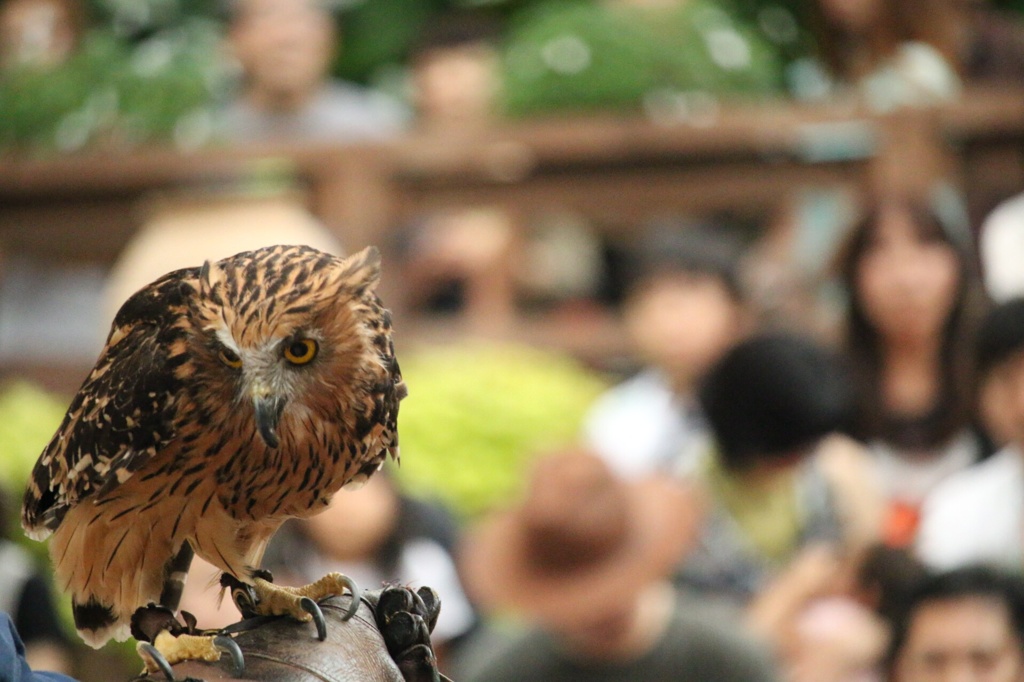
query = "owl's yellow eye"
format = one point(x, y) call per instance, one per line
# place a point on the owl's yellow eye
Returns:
point(301, 351)
point(230, 358)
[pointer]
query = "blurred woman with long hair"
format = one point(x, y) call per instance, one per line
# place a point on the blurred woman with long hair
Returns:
point(915, 299)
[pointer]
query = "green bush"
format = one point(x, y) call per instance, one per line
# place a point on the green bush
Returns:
point(478, 413)
point(117, 92)
point(585, 56)
point(29, 417)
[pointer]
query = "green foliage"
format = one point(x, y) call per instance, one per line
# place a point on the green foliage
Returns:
point(705, 47)
point(584, 55)
point(28, 419)
point(116, 92)
point(150, 70)
point(1012, 5)
point(575, 55)
point(136, 18)
point(379, 32)
point(782, 23)
point(477, 414)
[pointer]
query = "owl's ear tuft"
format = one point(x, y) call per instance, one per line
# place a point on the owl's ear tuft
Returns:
point(208, 300)
point(210, 277)
point(205, 282)
point(361, 271)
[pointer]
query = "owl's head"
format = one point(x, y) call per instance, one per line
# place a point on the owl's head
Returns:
point(290, 333)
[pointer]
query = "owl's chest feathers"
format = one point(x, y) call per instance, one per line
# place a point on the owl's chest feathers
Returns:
point(252, 481)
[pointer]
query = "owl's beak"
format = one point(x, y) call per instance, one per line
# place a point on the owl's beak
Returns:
point(268, 413)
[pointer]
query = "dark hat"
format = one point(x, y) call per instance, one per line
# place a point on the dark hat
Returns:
point(773, 394)
point(580, 541)
point(1001, 334)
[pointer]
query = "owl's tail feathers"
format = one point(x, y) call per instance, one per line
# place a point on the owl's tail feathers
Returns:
point(110, 568)
point(98, 620)
point(97, 623)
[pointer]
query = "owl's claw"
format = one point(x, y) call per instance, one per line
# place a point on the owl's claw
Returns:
point(227, 645)
point(168, 649)
point(243, 595)
point(264, 598)
point(313, 609)
point(154, 660)
point(357, 595)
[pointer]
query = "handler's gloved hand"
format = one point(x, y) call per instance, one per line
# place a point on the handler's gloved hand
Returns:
point(388, 640)
point(406, 619)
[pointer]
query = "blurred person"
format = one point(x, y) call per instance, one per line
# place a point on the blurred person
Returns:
point(683, 309)
point(1001, 246)
point(39, 33)
point(184, 230)
point(885, 577)
point(882, 55)
point(992, 51)
point(828, 615)
point(977, 515)
point(585, 559)
point(782, 268)
point(285, 49)
point(771, 401)
point(455, 73)
point(818, 631)
point(869, 51)
point(984, 43)
point(26, 595)
point(14, 666)
point(481, 261)
point(460, 260)
point(999, 407)
point(379, 535)
point(914, 303)
point(965, 625)
point(784, 529)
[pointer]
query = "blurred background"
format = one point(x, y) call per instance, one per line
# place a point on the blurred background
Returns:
point(573, 198)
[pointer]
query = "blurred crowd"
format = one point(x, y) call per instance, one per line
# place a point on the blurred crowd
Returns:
point(77, 74)
point(810, 465)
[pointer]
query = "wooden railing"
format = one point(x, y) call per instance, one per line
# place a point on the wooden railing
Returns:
point(618, 171)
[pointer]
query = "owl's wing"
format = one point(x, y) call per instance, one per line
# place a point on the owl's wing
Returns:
point(121, 417)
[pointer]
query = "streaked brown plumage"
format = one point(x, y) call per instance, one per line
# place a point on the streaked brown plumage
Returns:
point(227, 399)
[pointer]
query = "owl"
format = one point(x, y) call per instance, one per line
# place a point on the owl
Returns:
point(228, 398)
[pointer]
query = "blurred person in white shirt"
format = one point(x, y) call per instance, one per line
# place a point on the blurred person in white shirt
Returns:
point(977, 515)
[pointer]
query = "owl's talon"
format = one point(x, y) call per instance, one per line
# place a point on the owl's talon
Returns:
point(149, 621)
point(154, 660)
point(313, 609)
point(229, 646)
point(263, 573)
point(357, 595)
point(242, 594)
point(244, 602)
point(167, 649)
point(276, 600)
